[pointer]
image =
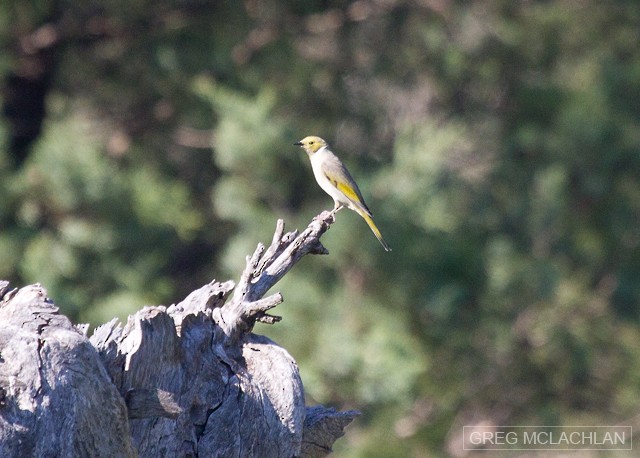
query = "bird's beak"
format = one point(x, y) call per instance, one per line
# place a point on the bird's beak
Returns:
point(297, 144)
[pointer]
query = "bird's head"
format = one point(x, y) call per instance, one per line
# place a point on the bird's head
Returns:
point(311, 144)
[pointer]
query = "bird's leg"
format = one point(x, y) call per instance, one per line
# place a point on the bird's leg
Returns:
point(336, 208)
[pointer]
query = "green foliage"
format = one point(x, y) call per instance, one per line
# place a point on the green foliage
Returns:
point(496, 143)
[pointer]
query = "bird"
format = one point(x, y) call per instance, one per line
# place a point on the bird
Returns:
point(334, 178)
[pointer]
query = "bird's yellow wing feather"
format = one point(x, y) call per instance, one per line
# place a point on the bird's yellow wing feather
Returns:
point(340, 177)
point(349, 191)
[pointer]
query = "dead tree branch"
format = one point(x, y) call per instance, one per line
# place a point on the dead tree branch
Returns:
point(190, 379)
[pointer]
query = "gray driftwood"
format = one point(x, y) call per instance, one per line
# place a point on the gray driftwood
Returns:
point(186, 380)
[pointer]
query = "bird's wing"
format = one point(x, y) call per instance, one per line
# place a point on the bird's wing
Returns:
point(339, 176)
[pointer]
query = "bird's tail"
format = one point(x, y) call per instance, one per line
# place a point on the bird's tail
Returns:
point(375, 230)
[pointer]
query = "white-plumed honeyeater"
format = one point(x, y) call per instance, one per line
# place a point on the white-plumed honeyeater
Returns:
point(335, 179)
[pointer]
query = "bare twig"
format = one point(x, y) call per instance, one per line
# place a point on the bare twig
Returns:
point(264, 269)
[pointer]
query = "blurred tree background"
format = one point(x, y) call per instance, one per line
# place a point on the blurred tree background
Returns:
point(146, 148)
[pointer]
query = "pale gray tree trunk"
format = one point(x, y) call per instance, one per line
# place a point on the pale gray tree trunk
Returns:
point(188, 380)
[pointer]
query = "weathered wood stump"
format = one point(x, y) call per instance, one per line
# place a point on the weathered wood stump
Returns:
point(190, 379)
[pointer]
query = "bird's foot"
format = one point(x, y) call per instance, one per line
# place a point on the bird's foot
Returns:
point(333, 212)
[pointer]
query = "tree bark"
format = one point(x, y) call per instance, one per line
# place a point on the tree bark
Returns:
point(56, 398)
point(190, 379)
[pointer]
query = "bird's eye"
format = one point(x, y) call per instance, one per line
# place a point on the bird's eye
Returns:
point(311, 142)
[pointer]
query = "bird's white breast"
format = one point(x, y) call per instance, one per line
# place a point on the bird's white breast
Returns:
point(317, 159)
